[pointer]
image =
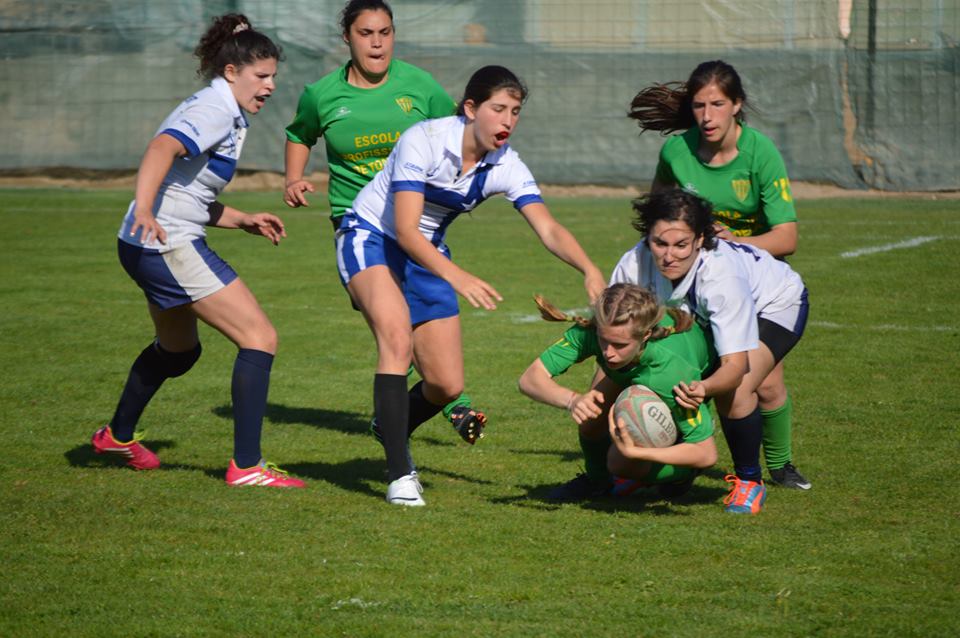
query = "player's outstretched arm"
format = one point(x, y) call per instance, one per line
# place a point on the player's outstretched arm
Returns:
point(537, 384)
point(264, 224)
point(561, 242)
point(408, 206)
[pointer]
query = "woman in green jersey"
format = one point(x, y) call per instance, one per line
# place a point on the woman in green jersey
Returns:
point(360, 110)
point(741, 173)
point(636, 341)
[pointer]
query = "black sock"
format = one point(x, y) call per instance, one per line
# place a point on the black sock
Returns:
point(391, 408)
point(744, 437)
point(251, 380)
point(421, 410)
point(152, 367)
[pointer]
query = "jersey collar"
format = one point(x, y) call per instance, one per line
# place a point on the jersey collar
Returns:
point(222, 88)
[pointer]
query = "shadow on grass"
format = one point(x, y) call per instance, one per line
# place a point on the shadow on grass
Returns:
point(83, 456)
point(571, 454)
point(645, 500)
point(347, 422)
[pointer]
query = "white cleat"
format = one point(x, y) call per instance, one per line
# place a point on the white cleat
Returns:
point(406, 490)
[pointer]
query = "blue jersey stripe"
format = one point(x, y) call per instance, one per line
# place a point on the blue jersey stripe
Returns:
point(222, 166)
point(416, 187)
point(527, 199)
point(192, 149)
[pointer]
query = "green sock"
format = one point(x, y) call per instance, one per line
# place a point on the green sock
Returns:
point(660, 473)
point(777, 434)
point(463, 400)
point(595, 458)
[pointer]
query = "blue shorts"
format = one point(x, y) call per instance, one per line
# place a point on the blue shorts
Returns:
point(183, 275)
point(360, 246)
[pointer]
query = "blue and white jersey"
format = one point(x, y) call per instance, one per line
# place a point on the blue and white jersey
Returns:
point(211, 127)
point(427, 159)
point(726, 289)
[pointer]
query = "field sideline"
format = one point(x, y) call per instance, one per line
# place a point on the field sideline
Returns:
point(92, 549)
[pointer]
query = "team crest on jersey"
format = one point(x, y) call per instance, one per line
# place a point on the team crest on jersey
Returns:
point(741, 188)
point(405, 103)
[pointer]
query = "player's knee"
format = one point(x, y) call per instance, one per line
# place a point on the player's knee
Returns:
point(772, 395)
point(450, 391)
point(177, 364)
point(262, 337)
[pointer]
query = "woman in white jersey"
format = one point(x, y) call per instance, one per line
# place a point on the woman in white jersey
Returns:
point(162, 247)
point(754, 305)
point(394, 262)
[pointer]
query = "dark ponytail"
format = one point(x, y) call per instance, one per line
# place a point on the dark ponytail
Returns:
point(232, 40)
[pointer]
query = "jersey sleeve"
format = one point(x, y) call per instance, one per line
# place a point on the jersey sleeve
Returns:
point(733, 316)
point(411, 160)
point(693, 425)
point(521, 188)
point(305, 128)
point(627, 270)
point(664, 174)
point(200, 127)
point(775, 194)
point(573, 347)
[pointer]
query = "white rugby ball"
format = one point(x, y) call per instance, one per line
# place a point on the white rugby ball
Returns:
point(647, 418)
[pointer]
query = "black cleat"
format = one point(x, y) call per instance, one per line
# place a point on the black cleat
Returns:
point(468, 423)
point(789, 476)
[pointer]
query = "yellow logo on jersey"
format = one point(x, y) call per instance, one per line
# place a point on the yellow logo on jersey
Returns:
point(693, 417)
point(405, 103)
point(741, 188)
point(783, 187)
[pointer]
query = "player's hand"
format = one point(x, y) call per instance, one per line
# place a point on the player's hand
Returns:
point(690, 395)
point(479, 293)
point(723, 232)
point(595, 284)
point(265, 224)
point(294, 193)
point(145, 221)
point(624, 442)
point(586, 406)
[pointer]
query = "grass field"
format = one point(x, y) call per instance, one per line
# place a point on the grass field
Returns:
point(93, 549)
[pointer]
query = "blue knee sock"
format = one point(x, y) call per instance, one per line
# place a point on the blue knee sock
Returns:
point(744, 437)
point(152, 367)
point(251, 380)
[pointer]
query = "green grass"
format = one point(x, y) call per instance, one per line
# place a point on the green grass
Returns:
point(92, 549)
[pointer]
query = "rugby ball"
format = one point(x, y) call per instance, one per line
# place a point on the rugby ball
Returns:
point(647, 418)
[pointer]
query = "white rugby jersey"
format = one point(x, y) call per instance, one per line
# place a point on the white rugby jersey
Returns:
point(726, 289)
point(427, 159)
point(211, 127)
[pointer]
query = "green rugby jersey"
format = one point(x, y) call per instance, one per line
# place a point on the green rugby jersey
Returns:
point(684, 356)
point(750, 195)
point(360, 126)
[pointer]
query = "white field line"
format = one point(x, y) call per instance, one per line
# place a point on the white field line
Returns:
point(885, 327)
point(906, 243)
point(515, 318)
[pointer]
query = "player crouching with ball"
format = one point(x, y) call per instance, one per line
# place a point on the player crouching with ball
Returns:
point(635, 341)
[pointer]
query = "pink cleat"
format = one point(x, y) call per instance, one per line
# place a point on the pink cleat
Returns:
point(138, 457)
point(265, 475)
